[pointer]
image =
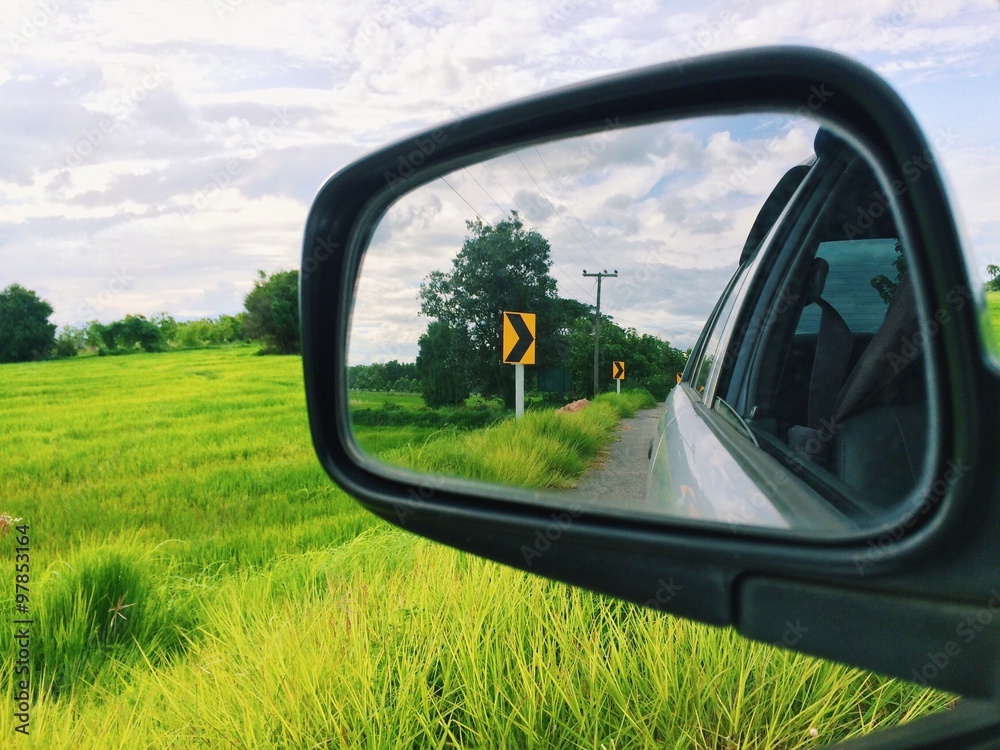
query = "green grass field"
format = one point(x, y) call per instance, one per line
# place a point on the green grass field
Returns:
point(198, 582)
point(373, 400)
point(993, 315)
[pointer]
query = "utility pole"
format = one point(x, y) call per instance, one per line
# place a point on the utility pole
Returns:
point(597, 319)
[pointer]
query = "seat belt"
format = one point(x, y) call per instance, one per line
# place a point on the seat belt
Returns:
point(834, 344)
point(877, 368)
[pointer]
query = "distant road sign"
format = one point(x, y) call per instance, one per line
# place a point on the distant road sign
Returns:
point(618, 370)
point(518, 338)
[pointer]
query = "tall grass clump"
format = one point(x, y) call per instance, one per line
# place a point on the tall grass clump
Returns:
point(107, 606)
point(628, 402)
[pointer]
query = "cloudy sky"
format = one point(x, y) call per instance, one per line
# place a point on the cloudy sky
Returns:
point(668, 206)
point(158, 153)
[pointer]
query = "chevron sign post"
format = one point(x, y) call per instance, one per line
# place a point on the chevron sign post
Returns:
point(518, 349)
point(618, 373)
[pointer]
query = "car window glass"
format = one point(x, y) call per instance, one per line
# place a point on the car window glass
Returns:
point(710, 353)
point(858, 284)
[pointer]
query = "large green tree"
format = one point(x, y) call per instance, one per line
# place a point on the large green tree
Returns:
point(273, 312)
point(25, 331)
point(500, 267)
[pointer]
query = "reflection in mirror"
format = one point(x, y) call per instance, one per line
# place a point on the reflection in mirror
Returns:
point(706, 320)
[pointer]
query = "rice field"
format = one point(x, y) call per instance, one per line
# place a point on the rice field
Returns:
point(198, 582)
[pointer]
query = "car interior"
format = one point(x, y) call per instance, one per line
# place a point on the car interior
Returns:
point(837, 386)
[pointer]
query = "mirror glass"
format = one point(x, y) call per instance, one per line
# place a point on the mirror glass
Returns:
point(705, 319)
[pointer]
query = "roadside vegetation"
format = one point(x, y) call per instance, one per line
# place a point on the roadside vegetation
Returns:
point(543, 450)
point(198, 582)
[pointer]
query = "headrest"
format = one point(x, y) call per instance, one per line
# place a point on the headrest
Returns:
point(817, 280)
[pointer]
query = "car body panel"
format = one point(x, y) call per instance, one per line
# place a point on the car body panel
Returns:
point(693, 477)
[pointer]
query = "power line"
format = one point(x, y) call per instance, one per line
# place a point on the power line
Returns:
point(485, 191)
point(567, 277)
point(588, 294)
point(502, 187)
point(583, 226)
point(513, 205)
point(569, 205)
point(466, 202)
point(559, 215)
point(676, 293)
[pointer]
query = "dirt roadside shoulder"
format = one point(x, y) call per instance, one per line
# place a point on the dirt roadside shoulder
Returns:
point(618, 477)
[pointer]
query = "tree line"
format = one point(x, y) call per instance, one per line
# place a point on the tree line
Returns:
point(270, 317)
point(157, 334)
point(385, 376)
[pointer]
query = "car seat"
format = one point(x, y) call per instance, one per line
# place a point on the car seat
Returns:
point(881, 421)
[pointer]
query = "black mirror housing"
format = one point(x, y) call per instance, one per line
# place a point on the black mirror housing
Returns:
point(892, 601)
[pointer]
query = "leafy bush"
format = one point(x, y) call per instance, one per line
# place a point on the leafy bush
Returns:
point(206, 332)
point(131, 333)
point(69, 341)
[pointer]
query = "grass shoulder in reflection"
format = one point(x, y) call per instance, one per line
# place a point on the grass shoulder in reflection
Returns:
point(543, 450)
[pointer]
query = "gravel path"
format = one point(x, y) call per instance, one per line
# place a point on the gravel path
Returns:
point(619, 478)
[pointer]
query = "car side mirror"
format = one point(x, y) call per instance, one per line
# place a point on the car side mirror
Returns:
point(886, 591)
